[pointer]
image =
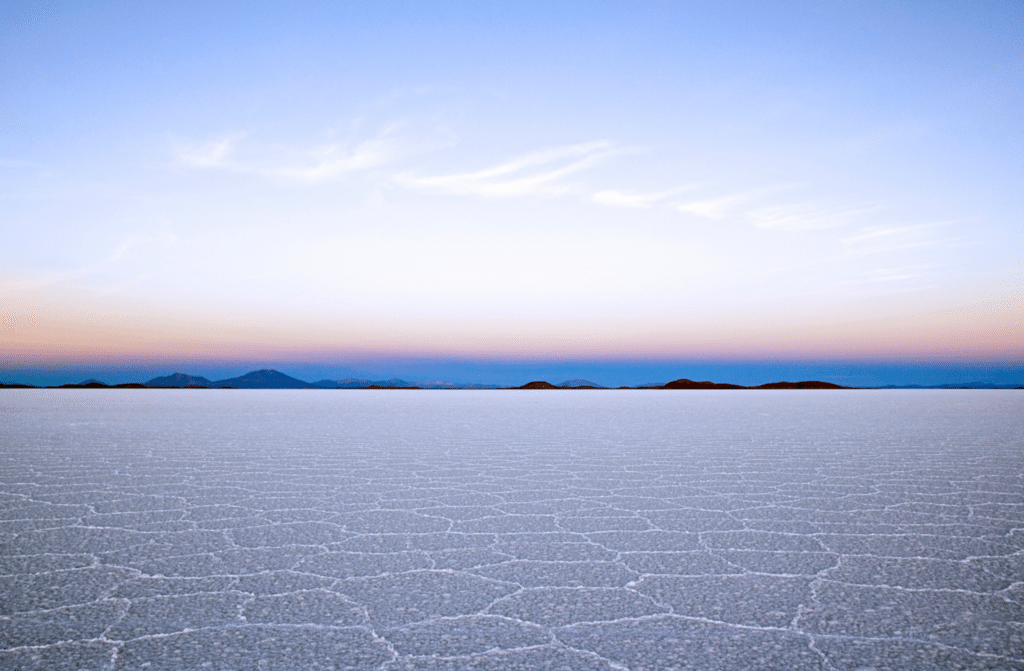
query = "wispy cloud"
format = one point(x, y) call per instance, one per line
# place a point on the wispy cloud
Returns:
point(885, 239)
point(803, 217)
point(310, 164)
point(872, 241)
point(539, 172)
point(617, 198)
point(889, 234)
point(332, 161)
point(723, 206)
point(210, 154)
point(749, 207)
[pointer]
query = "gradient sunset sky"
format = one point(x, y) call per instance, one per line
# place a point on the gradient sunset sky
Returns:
point(499, 191)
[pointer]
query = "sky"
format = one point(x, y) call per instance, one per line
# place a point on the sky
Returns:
point(493, 191)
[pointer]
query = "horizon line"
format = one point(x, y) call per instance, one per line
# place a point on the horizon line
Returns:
point(399, 383)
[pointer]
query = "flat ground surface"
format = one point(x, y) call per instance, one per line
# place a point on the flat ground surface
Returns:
point(162, 529)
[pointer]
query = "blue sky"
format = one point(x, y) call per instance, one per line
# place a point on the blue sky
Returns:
point(347, 186)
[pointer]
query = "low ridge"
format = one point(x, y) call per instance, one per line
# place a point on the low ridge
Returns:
point(537, 384)
point(684, 383)
point(806, 384)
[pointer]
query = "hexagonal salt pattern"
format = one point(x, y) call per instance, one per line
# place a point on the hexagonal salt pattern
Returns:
point(449, 530)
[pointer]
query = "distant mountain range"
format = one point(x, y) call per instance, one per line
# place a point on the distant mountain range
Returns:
point(396, 383)
point(684, 383)
point(358, 383)
point(179, 380)
point(272, 379)
point(807, 384)
point(580, 384)
point(956, 385)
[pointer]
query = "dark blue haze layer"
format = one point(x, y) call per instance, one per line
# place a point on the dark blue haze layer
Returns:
point(511, 530)
point(607, 373)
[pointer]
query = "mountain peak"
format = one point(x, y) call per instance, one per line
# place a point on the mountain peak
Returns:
point(264, 379)
point(179, 380)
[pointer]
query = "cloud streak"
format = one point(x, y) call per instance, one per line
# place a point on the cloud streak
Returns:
point(210, 154)
point(889, 234)
point(536, 173)
point(616, 198)
point(743, 206)
point(722, 207)
point(312, 164)
point(803, 217)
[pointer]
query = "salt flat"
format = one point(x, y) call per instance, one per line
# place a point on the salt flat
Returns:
point(192, 529)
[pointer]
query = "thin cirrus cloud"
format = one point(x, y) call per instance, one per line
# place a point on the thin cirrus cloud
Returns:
point(722, 207)
point(318, 163)
point(743, 206)
point(871, 241)
point(211, 154)
point(889, 234)
point(536, 173)
point(884, 239)
point(731, 205)
point(781, 217)
point(803, 217)
point(617, 198)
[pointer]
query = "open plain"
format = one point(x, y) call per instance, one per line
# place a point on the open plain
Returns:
point(204, 529)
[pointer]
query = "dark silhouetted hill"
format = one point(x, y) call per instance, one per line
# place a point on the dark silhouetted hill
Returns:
point(537, 384)
point(94, 384)
point(179, 380)
point(690, 384)
point(807, 384)
point(264, 379)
